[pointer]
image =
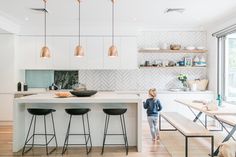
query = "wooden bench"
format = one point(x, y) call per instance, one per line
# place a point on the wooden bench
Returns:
point(186, 127)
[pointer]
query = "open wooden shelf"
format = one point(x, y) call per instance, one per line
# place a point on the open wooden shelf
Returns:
point(175, 67)
point(171, 51)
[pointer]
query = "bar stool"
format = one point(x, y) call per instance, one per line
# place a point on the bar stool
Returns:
point(35, 113)
point(78, 112)
point(115, 112)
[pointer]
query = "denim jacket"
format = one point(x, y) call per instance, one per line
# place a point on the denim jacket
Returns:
point(152, 106)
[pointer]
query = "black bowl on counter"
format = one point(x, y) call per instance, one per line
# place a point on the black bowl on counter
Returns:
point(84, 93)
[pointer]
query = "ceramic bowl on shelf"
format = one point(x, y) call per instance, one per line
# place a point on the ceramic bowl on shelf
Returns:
point(175, 47)
point(190, 48)
point(200, 48)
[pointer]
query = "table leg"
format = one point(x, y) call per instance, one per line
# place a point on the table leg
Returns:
point(197, 116)
point(230, 134)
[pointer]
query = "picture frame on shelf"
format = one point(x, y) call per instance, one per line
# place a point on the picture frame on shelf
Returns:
point(188, 61)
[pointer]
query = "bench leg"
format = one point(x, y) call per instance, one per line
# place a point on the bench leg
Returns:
point(165, 129)
point(212, 146)
point(186, 146)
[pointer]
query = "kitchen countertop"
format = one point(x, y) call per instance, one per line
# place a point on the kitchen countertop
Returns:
point(100, 97)
point(120, 92)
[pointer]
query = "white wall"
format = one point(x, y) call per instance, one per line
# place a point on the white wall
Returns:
point(7, 79)
point(212, 46)
point(7, 55)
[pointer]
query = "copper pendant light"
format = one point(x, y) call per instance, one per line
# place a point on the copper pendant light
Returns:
point(113, 52)
point(79, 51)
point(45, 52)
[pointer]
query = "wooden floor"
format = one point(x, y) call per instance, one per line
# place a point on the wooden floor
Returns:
point(150, 148)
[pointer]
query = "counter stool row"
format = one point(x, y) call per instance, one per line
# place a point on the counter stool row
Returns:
point(35, 112)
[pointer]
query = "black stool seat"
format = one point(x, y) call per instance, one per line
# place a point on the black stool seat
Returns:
point(39, 111)
point(115, 111)
point(76, 111)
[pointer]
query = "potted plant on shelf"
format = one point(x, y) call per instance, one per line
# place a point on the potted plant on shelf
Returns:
point(183, 79)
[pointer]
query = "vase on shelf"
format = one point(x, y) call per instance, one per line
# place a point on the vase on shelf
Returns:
point(185, 85)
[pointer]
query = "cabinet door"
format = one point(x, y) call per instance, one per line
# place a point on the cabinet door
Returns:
point(129, 53)
point(111, 62)
point(26, 52)
point(6, 107)
point(94, 53)
point(77, 62)
point(44, 63)
point(60, 50)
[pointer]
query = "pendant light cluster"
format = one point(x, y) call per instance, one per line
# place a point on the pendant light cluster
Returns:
point(113, 52)
point(79, 51)
point(45, 52)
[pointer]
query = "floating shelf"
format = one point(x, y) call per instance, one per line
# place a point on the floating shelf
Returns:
point(175, 67)
point(171, 51)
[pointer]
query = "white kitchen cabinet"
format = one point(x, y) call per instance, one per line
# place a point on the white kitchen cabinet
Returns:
point(129, 59)
point(6, 107)
point(63, 48)
point(94, 53)
point(60, 51)
point(77, 62)
point(26, 56)
point(111, 62)
point(44, 63)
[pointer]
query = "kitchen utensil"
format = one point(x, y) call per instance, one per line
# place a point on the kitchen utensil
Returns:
point(147, 63)
point(85, 93)
point(19, 86)
point(25, 87)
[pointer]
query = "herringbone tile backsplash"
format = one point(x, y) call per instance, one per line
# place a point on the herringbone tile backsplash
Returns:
point(143, 79)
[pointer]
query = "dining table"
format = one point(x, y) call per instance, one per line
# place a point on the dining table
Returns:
point(220, 114)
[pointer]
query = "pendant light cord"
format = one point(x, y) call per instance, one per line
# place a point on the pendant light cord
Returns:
point(113, 13)
point(45, 23)
point(79, 24)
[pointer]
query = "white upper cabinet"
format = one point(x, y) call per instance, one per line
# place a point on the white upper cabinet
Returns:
point(63, 48)
point(128, 49)
point(111, 62)
point(44, 63)
point(94, 53)
point(60, 51)
point(77, 62)
point(26, 56)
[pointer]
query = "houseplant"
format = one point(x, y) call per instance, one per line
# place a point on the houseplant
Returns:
point(183, 79)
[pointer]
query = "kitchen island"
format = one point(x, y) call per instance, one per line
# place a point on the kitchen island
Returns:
point(96, 103)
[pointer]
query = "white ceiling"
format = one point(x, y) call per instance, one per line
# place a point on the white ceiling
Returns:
point(138, 12)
